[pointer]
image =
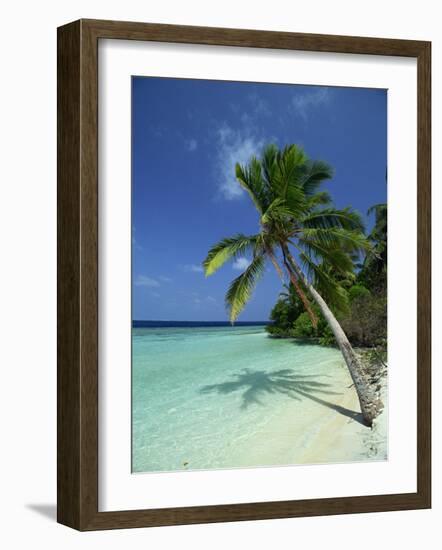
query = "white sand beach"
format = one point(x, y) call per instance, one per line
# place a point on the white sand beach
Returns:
point(329, 430)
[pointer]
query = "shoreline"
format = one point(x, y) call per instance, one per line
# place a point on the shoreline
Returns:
point(342, 439)
point(325, 436)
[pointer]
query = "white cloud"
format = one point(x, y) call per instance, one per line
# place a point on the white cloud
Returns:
point(143, 280)
point(193, 268)
point(259, 105)
point(234, 146)
point(165, 279)
point(191, 145)
point(303, 102)
point(240, 264)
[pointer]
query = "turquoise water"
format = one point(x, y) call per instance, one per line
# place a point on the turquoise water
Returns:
point(224, 397)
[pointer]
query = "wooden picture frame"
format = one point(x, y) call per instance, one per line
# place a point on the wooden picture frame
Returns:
point(78, 274)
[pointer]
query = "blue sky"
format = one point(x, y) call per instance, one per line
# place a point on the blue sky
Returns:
point(187, 136)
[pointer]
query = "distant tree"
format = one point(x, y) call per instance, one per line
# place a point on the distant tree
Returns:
point(374, 268)
point(288, 307)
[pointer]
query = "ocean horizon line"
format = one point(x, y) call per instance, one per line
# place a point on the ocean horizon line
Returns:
point(154, 323)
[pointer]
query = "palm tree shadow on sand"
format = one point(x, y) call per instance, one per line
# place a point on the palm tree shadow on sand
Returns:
point(256, 384)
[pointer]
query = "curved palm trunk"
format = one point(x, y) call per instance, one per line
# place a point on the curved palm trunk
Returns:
point(370, 404)
point(301, 294)
point(295, 284)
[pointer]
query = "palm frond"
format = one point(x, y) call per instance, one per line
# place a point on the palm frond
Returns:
point(332, 217)
point(330, 289)
point(336, 258)
point(227, 249)
point(241, 288)
point(379, 231)
point(345, 239)
point(250, 179)
point(321, 198)
point(315, 172)
point(287, 168)
point(269, 162)
point(276, 210)
point(292, 161)
point(379, 209)
point(295, 201)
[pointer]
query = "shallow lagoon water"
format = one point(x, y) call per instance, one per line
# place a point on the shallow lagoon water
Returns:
point(225, 397)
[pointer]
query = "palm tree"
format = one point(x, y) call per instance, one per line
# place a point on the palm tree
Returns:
point(303, 236)
point(374, 267)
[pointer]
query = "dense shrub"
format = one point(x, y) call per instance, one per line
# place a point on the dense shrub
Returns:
point(302, 327)
point(286, 310)
point(366, 323)
point(278, 332)
point(326, 335)
point(358, 291)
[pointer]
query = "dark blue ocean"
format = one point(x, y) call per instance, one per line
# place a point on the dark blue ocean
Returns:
point(195, 324)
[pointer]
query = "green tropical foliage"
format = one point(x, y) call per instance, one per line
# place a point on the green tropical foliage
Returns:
point(303, 328)
point(374, 268)
point(297, 220)
point(357, 291)
point(286, 313)
point(364, 320)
